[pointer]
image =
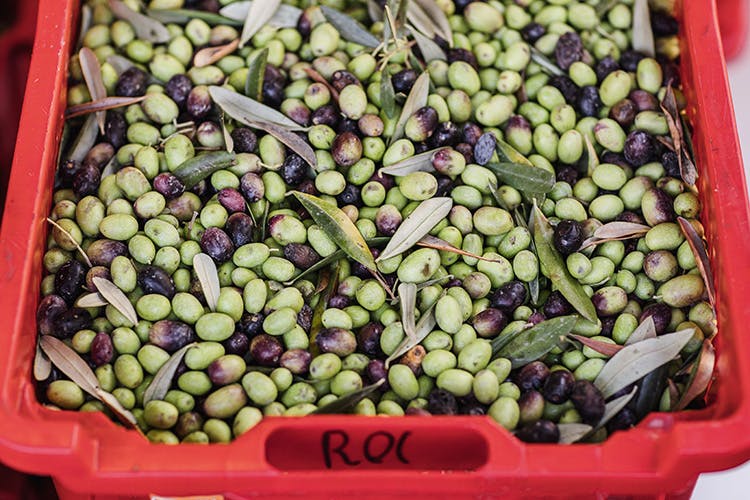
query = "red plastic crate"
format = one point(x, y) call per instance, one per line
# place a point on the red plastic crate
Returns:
point(338, 456)
point(733, 23)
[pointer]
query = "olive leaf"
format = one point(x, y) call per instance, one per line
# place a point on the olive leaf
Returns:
point(256, 70)
point(92, 75)
point(119, 63)
point(700, 376)
point(429, 49)
point(116, 298)
point(387, 95)
point(339, 227)
point(183, 16)
point(509, 154)
point(416, 99)
point(349, 28)
point(651, 388)
point(534, 343)
point(259, 13)
point(421, 162)
point(430, 19)
point(85, 23)
point(77, 370)
point(91, 300)
point(162, 380)
point(286, 16)
point(210, 55)
point(423, 328)
point(605, 7)
point(200, 167)
point(374, 11)
point(205, 269)
point(573, 432)
point(419, 223)
point(101, 105)
point(72, 240)
point(620, 230)
point(289, 139)
point(637, 360)
point(592, 160)
point(610, 410)
point(84, 141)
point(643, 36)
point(326, 261)
point(407, 294)
point(695, 242)
point(525, 178)
point(554, 268)
point(228, 141)
point(248, 111)
point(145, 28)
point(346, 403)
point(42, 365)
point(429, 241)
point(599, 346)
point(646, 330)
point(543, 61)
point(674, 122)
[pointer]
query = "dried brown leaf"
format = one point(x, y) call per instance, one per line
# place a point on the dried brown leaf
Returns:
point(701, 376)
point(604, 348)
point(210, 55)
point(101, 105)
point(701, 256)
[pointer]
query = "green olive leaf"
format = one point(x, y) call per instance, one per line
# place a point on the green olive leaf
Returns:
point(208, 276)
point(421, 162)
point(429, 49)
point(592, 160)
point(200, 167)
point(643, 36)
point(646, 330)
point(145, 27)
point(416, 99)
point(290, 140)
point(423, 328)
point(162, 381)
point(701, 256)
point(700, 376)
point(418, 224)
point(335, 223)
point(407, 294)
point(545, 63)
point(523, 177)
point(349, 28)
point(639, 359)
point(534, 343)
point(183, 16)
point(509, 154)
point(387, 95)
point(85, 22)
point(286, 16)
point(92, 74)
point(430, 19)
point(116, 298)
point(42, 365)
point(84, 141)
point(573, 432)
point(119, 63)
point(248, 111)
point(259, 13)
point(554, 268)
point(345, 404)
point(374, 11)
point(255, 72)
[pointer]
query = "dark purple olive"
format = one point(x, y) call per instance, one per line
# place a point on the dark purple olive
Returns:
point(69, 322)
point(339, 302)
point(639, 148)
point(304, 24)
point(178, 88)
point(629, 60)
point(606, 66)
point(301, 255)
point(273, 86)
point(568, 50)
point(116, 129)
point(556, 305)
point(341, 78)
point(535, 318)
point(325, 115)
point(69, 281)
point(217, 244)
point(245, 140)
point(531, 406)
point(442, 402)
point(643, 100)
point(293, 170)
point(628, 216)
point(623, 112)
point(346, 149)
point(296, 361)
point(198, 102)
point(368, 339)
point(132, 83)
point(49, 309)
point(102, 349)
point(86, 180)
point(252, 187)
point(170, 335)
point(347, 125)
point(99, 155)
point(237, 344)
point(663, 24)
point(475, 409)
point(350, 196)
point(403, 80)
point(558, 386)
point(467, 150)
point(387, 220)
point(568, 236)
point(251, 324)
point(509, 296)
point(187, 423)
point(660, 313)
point(608, 324)
point(102, 252)
point(588, 400)
point(239, 227)
point(671, 164)
point(567, 88)
point(615, 159)
point(305, 317)
point(533, 32)
point(467, 56)
point(541, 431)
point(623, 420)
point(445, 134)
point(336, 340)
point(168, 185)
point(484, 148)
point(471, 133)
point(532, 376)
point(490, 322)
point(153, 279)
point(231, 199)
point(375, 371)
point(567, 174)
point(589, 102)
point(96, 272)
point(266, 350)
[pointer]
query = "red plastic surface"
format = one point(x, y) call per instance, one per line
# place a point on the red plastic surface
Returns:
point(369, 456)
point(15, 56)
point(733, 23)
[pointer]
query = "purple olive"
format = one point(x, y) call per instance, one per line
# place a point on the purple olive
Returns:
point(266, 350)
point(170, 335)
point(70, 321)
point(442, 402)
point(69, 280)
point(368, 339)
point(490, 322)
point(588, 400)
point(509, 296)
point(558, 386)
point(541, 431)
point(217, 244)
point(532, 376)
point(336, 340)
point(231, 199)
point(168, 185)
point(296, 361)
point(102, 349)
point(49, 309)
point(239, 227)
